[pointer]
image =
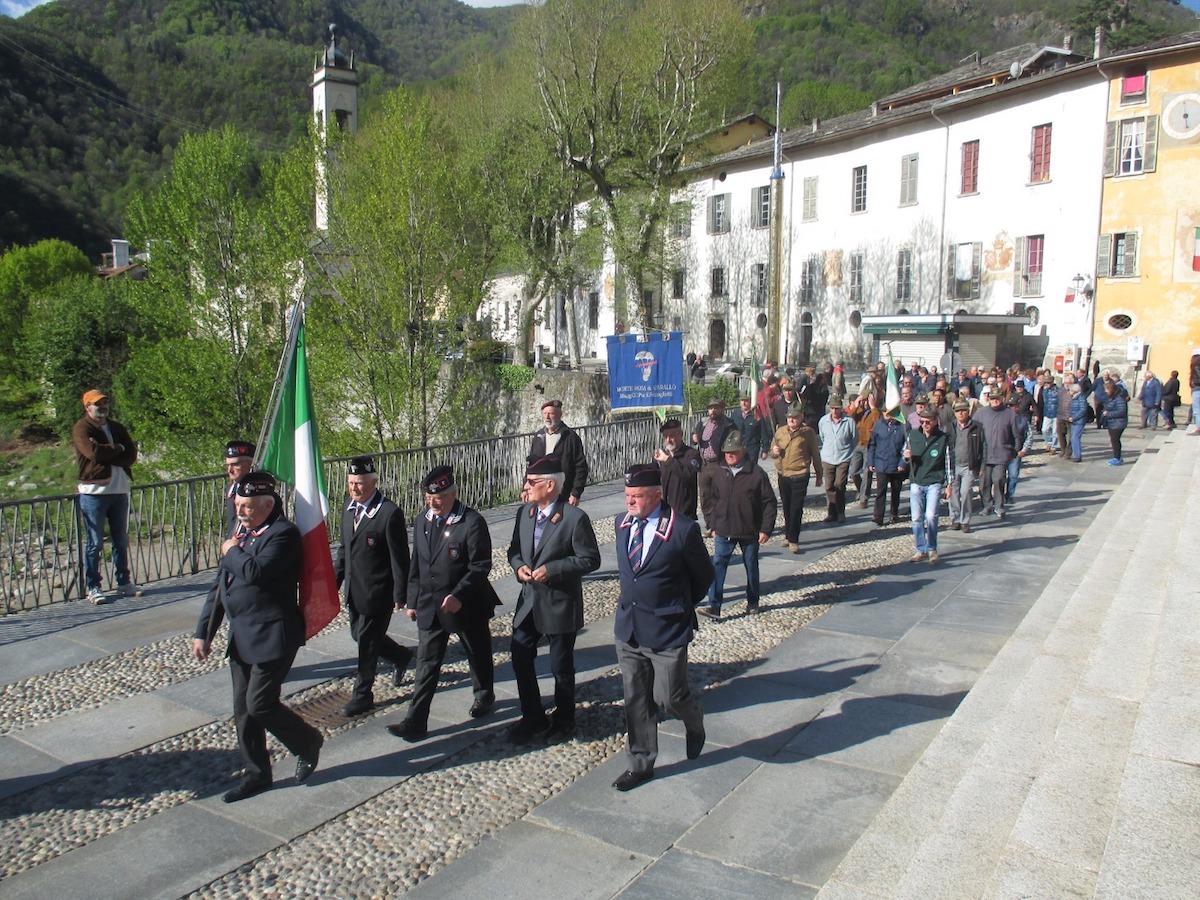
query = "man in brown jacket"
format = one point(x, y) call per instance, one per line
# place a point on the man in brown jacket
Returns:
point(796, 454)
point(105, 452)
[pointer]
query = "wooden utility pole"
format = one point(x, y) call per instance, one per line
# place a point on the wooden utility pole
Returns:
point(776, 344)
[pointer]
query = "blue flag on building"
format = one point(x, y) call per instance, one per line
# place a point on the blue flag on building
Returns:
point(645, 371)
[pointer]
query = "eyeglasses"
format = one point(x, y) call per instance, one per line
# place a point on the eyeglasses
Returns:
point(533, 481)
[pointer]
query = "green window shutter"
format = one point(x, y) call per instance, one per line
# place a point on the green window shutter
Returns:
point(1019, 267)
point(951, 281)
point(976, 270)
point(1104, 257)
point(1131, 242)
point(1150, 159)
point(1111, 149)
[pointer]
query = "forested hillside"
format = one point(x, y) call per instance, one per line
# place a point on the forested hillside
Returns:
point(96, 93)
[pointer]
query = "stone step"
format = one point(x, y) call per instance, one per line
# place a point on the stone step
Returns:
point(949, 823)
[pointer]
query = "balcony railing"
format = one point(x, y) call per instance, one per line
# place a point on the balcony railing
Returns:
point(176, 527)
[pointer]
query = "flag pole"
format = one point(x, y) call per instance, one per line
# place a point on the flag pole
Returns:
point(289, 346)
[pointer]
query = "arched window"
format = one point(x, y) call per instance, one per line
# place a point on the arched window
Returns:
point(806, 336)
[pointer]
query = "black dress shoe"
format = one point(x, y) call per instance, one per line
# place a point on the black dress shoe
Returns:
point(357, 707)
point(708, 612)
point(306, 765)
point(559, 733)
point(246, 789)
point(878, 520)
point(409, 729)
point(695, 743)
point(481, 708)
point(525, 731)
point(401, 667)
point(627, 781)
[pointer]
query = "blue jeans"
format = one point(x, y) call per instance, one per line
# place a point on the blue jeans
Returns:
point(1014, 472)
point(96, 510)
point(1077, 437)
point(1048, 434)
point(923, 502)
point(722, 553)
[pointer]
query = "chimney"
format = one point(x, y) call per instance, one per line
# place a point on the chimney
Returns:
point(874, 108)
point(816, 124)
point(1098, 46)
point(120, 253)
point(1069, 43)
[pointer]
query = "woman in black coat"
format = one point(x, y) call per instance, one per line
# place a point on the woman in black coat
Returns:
point(1170, 398)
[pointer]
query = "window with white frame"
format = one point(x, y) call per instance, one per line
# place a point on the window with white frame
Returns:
point(965, 271)
point(678, 284)
point(1117, 255)
point(858, 196)
point(1131, 146)
point(760, 203)
point(1133, 85)
point(681, 220)
point(904, 263)
point(593, 309)
point(810, 278)
point(718, 214)
point(720, 282)
point(908, 179)
point(758, 284)
point(856, 279)
point(810, 199)
point(1028, 258)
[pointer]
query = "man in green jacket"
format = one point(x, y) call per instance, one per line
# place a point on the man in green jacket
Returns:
point(929, 456)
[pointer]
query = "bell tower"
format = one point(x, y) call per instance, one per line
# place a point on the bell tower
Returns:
point(335, 110)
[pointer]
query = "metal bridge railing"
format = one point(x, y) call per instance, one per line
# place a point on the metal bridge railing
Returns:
point(176, 527)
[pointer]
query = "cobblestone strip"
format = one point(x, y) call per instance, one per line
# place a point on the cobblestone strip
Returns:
point(40, 698)
point(393, 841)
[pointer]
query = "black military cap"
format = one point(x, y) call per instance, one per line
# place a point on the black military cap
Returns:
point(234, 449)
point(669, 425)
point(361, 465)
point(545, 465)
point(643, 475)
point(255, 484)
point(440, 478)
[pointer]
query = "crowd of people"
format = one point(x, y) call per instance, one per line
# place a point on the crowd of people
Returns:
point(947, 437)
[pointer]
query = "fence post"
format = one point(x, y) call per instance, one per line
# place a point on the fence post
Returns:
point(80, 538)
point(193, 527)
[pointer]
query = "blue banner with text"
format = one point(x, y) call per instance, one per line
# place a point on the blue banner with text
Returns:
point(645, 371)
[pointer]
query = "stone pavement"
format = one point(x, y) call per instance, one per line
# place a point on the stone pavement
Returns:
point(1016, 721)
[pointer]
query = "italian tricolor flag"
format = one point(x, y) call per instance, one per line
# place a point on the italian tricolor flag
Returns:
point(891, 397)
point(293, 454)
point(1196, 253)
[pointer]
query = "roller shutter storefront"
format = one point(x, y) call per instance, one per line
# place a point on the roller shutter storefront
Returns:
point(978, 349)
point(925, 350)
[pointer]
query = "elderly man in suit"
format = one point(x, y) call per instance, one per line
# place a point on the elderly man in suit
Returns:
point(449, 593)
point(239, 460)
point(553, 546)
point(259, 579)
point(557, 439)
point(372, 569)
point(665, 571)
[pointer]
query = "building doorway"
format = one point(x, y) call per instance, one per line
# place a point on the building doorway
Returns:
point(716, 339)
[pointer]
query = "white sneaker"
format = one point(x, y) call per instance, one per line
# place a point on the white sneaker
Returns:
point(97, 597)
point(129, 589)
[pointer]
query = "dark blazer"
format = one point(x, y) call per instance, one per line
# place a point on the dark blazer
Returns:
point(261, 581)
point(718, 436)
point(657, 605)
point(680, 473)
point(569, 551)
point(458, 563)
point(574, 460)
point(373, 559)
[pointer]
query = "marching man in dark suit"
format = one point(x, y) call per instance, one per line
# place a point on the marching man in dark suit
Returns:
point(665, 571)
point(449, 593)
point(680, 467)
point(259, 576)
point(557, 439)
point(553, 547)
point(239, 460)
point(372, 566)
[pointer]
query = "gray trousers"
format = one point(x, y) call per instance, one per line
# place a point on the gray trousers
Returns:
point(960, 496)
point(995, 480)
point(654, 679)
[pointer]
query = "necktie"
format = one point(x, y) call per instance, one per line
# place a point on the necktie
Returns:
point(538, 527)
point(635, 544)
point(359, 511)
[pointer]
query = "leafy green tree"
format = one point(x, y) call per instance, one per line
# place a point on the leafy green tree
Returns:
point(625, 90)
point(78, 335)
point(226, 232)
point(402, 269)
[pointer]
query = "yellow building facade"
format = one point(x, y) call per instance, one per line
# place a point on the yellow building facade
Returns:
point(1146, 287)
